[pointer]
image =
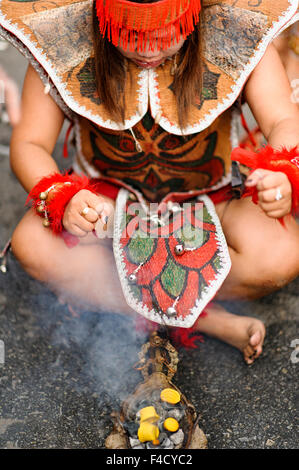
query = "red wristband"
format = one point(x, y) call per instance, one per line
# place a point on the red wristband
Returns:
point(51, 195)
point(267, 158)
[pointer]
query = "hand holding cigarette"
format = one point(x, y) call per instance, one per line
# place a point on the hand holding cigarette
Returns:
point(85, 210)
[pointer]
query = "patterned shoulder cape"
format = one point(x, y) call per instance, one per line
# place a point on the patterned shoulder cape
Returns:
point(56, 37)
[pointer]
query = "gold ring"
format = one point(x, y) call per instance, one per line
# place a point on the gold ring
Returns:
point(85, 211)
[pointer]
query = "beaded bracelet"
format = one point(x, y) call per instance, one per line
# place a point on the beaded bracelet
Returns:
point(42, 205)
point(51, 195)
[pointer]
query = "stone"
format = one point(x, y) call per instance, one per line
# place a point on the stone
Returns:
point(167, 444)
point(134, 442)
point(177, 438)
point(175, 413)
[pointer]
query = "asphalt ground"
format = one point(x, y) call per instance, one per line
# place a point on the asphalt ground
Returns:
point(61, 375)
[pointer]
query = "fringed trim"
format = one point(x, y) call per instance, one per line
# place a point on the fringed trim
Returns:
point(187, 338)
point(58, 197)
point(267, 158)
point(134, 25)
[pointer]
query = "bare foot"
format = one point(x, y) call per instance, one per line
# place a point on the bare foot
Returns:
point(244, 333)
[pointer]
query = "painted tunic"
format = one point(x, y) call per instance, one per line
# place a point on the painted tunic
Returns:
point(167, 162)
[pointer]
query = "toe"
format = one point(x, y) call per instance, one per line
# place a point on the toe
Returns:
point(248, 353)
point(258, 351)
point(249, 360)
point(254, 347)
point(255, 339)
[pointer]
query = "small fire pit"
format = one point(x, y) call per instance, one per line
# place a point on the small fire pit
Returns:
point(157, 415)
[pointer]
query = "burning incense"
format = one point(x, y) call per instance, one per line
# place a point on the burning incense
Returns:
point(157, 415)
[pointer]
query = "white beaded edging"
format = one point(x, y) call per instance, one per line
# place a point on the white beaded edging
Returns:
point(66, 95)
point(284, 21)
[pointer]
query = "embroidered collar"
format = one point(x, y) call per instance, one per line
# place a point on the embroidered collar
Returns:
point(56, 38)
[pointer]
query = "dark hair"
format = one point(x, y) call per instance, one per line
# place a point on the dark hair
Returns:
point(110, 68)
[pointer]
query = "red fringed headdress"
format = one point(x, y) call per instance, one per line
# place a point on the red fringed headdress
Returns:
point(158, 24)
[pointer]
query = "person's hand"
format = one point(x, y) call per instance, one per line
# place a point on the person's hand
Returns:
point(11, 96)
point(84, 210)
point(274, 192)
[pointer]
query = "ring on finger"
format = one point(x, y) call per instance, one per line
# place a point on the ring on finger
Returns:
point(85, 211)
point(278, 195)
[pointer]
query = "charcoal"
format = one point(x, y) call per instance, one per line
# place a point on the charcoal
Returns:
point(167, 444)
point(162, 437)
point(167, 406)
point(150, 445)
point(131, 428)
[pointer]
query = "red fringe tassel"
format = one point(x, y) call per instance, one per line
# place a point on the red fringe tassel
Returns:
point(267, 158)
point(124, 22)
point(180, 337)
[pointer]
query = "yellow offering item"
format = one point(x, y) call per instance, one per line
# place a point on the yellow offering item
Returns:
point(148, 432)
point(171, 424)
point(170, 395)
point(148, 414)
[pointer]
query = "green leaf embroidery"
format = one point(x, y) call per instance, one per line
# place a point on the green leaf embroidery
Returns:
point(140, 248)
point(173, 278)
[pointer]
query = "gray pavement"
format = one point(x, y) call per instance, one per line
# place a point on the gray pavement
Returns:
point(63, 375)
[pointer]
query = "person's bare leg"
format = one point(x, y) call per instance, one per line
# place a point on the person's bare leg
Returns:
point(260, 249)
point(87, 275)
point(84, 276)
point(264, 254)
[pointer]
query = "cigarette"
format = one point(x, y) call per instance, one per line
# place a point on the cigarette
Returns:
point(105, 222)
